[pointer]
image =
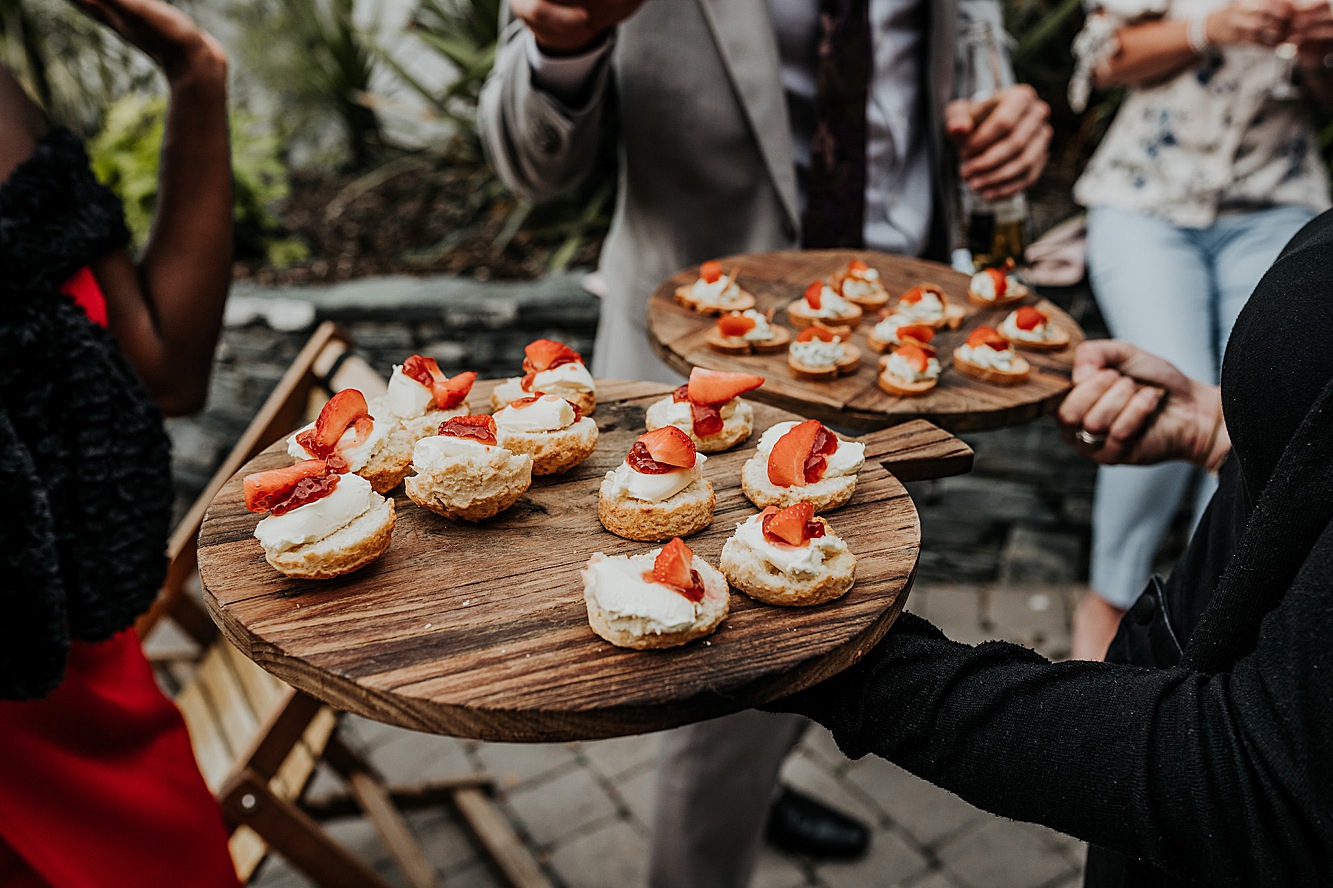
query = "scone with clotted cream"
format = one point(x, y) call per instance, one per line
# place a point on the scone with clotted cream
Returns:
point(663, 598)
point(551, 430)
point(463, 472)
point(658, 491)
point(349, 436)
point(321, 523)
point(789, 557)
point(550, 368)
point(708, 408)
point(802, 461)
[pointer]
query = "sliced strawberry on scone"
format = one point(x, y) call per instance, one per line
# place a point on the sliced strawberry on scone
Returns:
point(735, 325)
point(272, 490)
point(1029, 318)
point(346, 409)
point(788, 458)
point(794, 525)
point(448, 392)
point(481, 428)
point(814, 295)
point(823, 334)
point(999, 280)
point(718, 387)
point(988, 336)
point(670, 446)
point(711, 271)
point(919, 333)
point(672, 567)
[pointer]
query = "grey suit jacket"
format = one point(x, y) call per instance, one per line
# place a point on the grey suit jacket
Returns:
point(706, 165)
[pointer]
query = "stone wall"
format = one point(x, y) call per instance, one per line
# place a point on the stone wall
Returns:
point(1020, 517)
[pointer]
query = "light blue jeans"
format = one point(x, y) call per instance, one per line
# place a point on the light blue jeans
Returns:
point(1174, 292)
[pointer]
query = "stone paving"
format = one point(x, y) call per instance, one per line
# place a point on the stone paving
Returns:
point(584, 809)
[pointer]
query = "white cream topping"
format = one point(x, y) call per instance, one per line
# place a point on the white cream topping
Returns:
point(846, 460)
point(856, 288)
point(430, 452)
point(762, 331)
point(678, 413)
point(567, 379)
point(1009, 329)
point(351, 499)
point(653, 488)
point(802, 560)
point(818, 353)
point(897, 365)
point(983, 286)
point(408, 398)
point(356, 456)
point(617, 585)
point(887, 329)
point(720, 292)
point(549, 413)
point(831, 305)
point(929, 308)
point(985, 356)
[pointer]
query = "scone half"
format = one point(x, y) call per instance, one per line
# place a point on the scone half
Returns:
point(686, 512)
point(735, 428)
point(748, 570)
point(553, 452)
point(826, 494)
point(343, 551)
point(633, 631)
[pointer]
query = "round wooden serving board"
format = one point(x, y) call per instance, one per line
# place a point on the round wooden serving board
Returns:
point(480, 630)
point(958, 403)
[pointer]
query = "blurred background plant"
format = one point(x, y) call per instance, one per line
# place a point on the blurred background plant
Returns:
point(356, 144)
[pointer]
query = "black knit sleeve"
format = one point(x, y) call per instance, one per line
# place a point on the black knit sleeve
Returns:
point(33, 639)
point(1227, 779)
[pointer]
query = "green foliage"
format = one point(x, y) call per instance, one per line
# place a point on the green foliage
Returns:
point(125, 156)
point(312, 55)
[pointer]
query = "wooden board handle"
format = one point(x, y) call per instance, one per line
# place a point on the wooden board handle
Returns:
point(917, 451)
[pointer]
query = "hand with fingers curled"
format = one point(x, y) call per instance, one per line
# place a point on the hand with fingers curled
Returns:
point(568, 27)
point(165, 34)
point(1130, 407)
point(1003, 142)
point(1253, 22)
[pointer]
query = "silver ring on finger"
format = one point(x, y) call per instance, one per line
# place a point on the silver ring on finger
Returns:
point(1083, 436)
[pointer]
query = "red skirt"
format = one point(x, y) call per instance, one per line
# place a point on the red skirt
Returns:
point(99, 787)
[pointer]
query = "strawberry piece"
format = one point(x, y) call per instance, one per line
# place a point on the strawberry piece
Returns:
point(672, 567)
point(717, 387)
point(856, 266)
point(543, 354)
point(706, 419)
point(711, 272)
point(917, 293)
point(787, 460)
point(826, 443)
point(735, 325)
point(523, 402)
point(987, 336)
point(448, 393)
point(1028, 318)
point(641, 461)
point(346, 409)
point(481, 428)
point(918, 333)
point(681, 393)
point(788, 525)
point(814, 331)
point(914, 355)
point(669, 446)
point(814, 295)
point(265, 490)
point(999, 279)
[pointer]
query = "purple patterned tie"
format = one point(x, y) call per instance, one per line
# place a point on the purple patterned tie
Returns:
point(836, 183)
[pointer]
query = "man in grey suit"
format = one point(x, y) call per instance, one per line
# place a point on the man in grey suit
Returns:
point(713, 104)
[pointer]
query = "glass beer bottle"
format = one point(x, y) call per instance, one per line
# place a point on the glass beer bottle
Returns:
point(996, 230)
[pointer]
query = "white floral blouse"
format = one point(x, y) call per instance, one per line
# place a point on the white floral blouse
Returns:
point(1209, 139)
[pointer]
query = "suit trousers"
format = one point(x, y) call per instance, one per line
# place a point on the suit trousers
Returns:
point(715, 781)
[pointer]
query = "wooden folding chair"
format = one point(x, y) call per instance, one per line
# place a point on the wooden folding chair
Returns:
point(258, 740)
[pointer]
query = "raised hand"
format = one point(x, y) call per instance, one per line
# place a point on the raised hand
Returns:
point(1002, 141)
point(570, 26)
point(1255, 22)
point(168, 36)
point(1128, 406)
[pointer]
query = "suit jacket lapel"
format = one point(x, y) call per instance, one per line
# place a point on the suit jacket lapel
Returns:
point(744, 36)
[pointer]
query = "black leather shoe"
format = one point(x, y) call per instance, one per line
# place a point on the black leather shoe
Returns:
point(798, 824)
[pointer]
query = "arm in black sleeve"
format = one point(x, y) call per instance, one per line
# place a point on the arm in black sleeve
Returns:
point(1226, 778)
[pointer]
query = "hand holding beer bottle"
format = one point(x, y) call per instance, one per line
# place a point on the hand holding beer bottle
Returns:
point(1002, 135)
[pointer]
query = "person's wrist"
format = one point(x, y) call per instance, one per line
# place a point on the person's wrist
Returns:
point(1212, 443)
point(202, 65)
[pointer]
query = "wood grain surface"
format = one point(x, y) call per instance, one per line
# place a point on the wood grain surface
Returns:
point(481, 630)
point(958, 403)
